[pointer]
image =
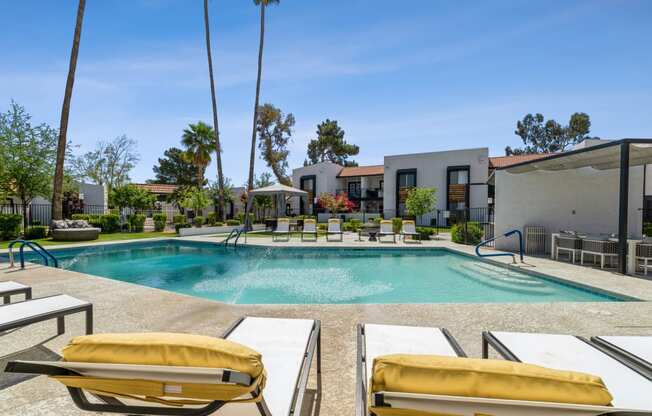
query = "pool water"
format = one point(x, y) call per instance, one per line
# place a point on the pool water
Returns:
point(250, 275)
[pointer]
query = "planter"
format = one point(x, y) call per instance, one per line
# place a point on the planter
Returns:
point(75, 234)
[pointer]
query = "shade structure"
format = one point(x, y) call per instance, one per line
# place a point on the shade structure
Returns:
point(278, 191)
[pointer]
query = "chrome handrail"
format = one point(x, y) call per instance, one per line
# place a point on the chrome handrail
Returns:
point(36, 247)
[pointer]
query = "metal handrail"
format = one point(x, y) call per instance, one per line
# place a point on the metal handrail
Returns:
point(237, 237)
point(36, 247)
point(507, 234)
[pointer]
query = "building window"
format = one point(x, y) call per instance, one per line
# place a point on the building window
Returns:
point(406, 179)
point(457, 187)
point(354, 190)
point(307, 203)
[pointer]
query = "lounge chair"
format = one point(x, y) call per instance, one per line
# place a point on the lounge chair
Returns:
point(386, 228)
point(644, 255)
point(19, 314)
point(264, 372)
point(378, 340)
point(599, 247)
point(408, 229)
point(633, 351)
point(282, 229)
point(309, 228)
point(630, 390)
point(8, 289)
point(334, 228)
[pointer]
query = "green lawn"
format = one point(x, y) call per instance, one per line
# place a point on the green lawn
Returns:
point(103, 237)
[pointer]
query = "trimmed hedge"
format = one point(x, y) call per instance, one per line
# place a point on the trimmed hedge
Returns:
point(179, 219)
point(36, 232)
point(10, 226)
point(472, 230)
point(159, 222)
point(177, 227)
point(232, 222)
point(110, 223)
point(397, 224)
point(198, 221)
point(136, 223)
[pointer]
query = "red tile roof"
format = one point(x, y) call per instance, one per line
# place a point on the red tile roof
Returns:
point(158, 188)
point(504, 161)
point(361, 171)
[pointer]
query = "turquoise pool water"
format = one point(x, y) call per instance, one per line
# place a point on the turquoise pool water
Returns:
point(249, 275)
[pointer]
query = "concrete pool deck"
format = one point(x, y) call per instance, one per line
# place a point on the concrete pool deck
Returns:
point(125, 307)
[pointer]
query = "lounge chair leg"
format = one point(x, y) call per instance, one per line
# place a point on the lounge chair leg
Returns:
point(61, 325)
point(485, 347)
point(6, 299)
point(89, 321)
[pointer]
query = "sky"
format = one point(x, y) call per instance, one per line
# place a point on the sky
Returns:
point(399, 76)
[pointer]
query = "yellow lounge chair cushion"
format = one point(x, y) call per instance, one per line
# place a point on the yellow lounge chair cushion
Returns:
point(182, 350)
point(497, 379)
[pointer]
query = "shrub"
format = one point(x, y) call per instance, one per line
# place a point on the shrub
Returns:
point(159, 222)
point(198, 221)
point(218, 224)
point(10, 226)
point(84, 217)
point(647, 229)
point(36, 232)
point(178, 226)
point(322, 227)
point(179, 219)
point(211, 219)
point(472, 231)
point(110, 223)
point(425, 232)
point(232, 222)
point(352, 225)
point(136, 223)
point(36, 222)
point(241, 218)
point(397, 223)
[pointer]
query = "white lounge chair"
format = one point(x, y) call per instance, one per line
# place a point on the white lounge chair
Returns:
point(630, 390)
point(19, 314)
point(309, 228)
point(282, 229)
point(634, 351)
point(8, 289)
point(287, 348)
point(377, 340)
point(334, 228)
point(386, 228)
point(409, 229)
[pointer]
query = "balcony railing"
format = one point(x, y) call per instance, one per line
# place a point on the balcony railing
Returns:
point(361, 194)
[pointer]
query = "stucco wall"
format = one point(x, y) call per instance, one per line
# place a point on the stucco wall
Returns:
point(584, 200)
point(326, 180)
point(431, 172)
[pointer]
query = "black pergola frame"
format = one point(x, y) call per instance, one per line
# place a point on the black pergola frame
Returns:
point(623, 192)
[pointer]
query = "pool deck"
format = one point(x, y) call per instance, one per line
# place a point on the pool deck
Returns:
point(125, 307)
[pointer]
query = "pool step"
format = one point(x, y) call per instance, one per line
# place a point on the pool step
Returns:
point(499, 278)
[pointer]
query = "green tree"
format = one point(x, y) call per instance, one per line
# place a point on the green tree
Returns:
point(218, 147)
point(131, 196)
point(330, 146)
point(199, 142)
point(274, 134)
point(109, 164)
point(261, 43)
point(540, 136)
point(420, 201)
point(175, 169)
point(62, 147)
point(196, 199)
point(28, 156)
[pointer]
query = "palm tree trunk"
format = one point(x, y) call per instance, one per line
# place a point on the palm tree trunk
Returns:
point(218, 147)
point(57, 194)
point(252, 157)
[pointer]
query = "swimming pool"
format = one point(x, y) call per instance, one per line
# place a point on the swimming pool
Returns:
point(259, 275)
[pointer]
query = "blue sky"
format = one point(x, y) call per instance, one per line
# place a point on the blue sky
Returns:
point(399, 76)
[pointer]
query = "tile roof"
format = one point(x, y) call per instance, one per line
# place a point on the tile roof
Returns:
point(504, 161)
point(158, 188)
point(361, 171)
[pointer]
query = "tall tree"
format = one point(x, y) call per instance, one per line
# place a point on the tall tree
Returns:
point(252, 157)
point(540, 136)
point(218, 147)
point(57, 193)
point(109, 164)
point(274, 134)
point(330, 146)
point(199, 142)
point(175, 169)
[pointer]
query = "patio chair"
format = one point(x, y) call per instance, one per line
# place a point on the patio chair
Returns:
point(386, 229)
point(375, 340)
point(309, 228)
point(630, 390)
point(408, 229)
point(282, 229)
point(599, 247)
point(569, 243)
point(260, 367)
point(334, 228)
point(633, 351)
point(8, 289)
point(27, 312)
point(644, 255)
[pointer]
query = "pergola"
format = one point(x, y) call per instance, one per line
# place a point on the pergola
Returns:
point(277, 191)
point(617, 154)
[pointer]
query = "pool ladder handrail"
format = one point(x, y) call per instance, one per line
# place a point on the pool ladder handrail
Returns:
point(236, 232)
point(36, 247)
point(507, 234)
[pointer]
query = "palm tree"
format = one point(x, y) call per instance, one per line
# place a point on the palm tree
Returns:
point(263, 4)
point(218, 147)
point(57, 194)
point(199, 142)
